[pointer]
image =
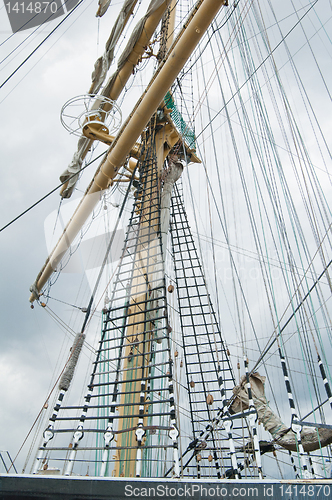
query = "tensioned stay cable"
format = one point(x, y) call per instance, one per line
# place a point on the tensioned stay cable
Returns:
point(325, 267)
point(289, 319)
point(49, 193)
point(30, 34)
point(41, 43)
point(257, 68)
point(84, 324)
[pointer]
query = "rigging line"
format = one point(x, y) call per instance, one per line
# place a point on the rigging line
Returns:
point(41, 43)
point(41, 410)
point(88, 312)
point(234, 32)
point(38, 60)
point(254, 255)
point(247, 202)
point(60, 6)
point(315, 409)
point(277, 23)
point(60, 321)
point(322, 25)
point(227, 240)
point(318, 249)
point(257, 68)
point(66, 303)
point(67, 328)
point(13, 34)
point(292, 315)
point(269, 141)
point(71, 332)
point(49, 193)
point(294, 129)
point(301, 331)
point(295, 70)
point(57, 215)
point(209, 204)
point(290, 336)
point(19, 45)
point(315, 59)
point(84, 230)
point(214, 30)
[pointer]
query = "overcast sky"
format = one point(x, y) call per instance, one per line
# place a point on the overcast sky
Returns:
point(35, 149)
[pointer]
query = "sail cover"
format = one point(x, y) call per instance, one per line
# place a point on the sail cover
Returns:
point(103, 63)
point(312, 439)
point(102, 7)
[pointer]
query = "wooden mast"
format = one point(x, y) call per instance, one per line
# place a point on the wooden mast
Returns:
point(148, 257)
point(129, 451)
point(148, 275)
point(181, 50)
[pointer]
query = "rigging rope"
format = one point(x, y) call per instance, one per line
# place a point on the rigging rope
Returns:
point(49, 193)
point(41, 43)
point(258, 67)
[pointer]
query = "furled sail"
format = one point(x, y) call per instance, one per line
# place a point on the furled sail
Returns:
point(129, 59)
point(102, 7)
point(312, 439)
point(103, 63)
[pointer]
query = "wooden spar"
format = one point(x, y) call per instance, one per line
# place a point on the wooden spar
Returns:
point(130, 132)
point(171, 25)
point(124, 73)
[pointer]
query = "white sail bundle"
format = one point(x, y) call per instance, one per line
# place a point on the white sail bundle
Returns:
point(312, 439)
point(70, 176)
point(104, 62)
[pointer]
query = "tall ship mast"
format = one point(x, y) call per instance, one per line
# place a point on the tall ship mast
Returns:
point(209, 279)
